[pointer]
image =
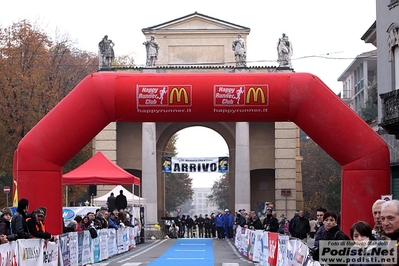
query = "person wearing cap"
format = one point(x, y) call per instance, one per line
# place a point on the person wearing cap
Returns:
point(5, 229)
point(37, 229)
point(228, 227)
point(18, 221)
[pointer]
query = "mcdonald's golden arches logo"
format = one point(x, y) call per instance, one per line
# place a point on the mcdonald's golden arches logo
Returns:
point(182, 96)
point(255, 96)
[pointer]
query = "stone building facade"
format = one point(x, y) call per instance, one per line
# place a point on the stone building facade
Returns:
point(265, 161)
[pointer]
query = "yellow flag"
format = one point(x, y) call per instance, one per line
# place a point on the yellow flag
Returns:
point(15, 201)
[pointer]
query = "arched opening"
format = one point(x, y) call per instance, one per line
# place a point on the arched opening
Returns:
point(201, 142)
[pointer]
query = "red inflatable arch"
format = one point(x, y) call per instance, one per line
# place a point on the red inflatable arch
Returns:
point(301, 98)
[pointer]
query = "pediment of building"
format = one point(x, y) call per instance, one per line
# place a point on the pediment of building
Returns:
point(196, 21)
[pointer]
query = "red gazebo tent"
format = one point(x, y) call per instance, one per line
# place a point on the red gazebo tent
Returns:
point(99, 170)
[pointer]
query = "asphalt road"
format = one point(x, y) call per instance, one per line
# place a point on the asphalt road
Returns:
point(152, 252)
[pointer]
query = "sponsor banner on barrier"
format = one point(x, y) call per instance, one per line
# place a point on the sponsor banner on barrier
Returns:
point(131, 235)
point(299, 253)
point(122, 241)
point(50, 253)
point(195, 164)
point(244, 240)
point(95, 244)
point(273, 248)
point(104, 244)
point(251, 243)
point(112, 247)
point(86, 248)
point(69, 213)
point(30, 251)
point(264, 255)
point(64, 247)
point(257, 246)
point(71, 249)
point(9, 253)
point(282, 254)
point(74, 248)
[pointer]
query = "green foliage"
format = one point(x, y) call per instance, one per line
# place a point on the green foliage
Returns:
point(321, 178)
point(36, 72)
point(187, 206)
point(220, 192)
point(369, 112)
point(124, 61)
point(178, 187)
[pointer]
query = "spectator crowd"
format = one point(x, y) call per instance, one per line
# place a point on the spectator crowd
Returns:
point(326, 226)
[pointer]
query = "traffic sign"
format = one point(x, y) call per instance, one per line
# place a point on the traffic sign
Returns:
point(6, 189)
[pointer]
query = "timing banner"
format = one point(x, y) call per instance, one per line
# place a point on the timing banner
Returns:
point(195, 165)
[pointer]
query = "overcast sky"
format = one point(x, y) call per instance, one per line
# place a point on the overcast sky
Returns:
point(317, 29)
point(325, 34)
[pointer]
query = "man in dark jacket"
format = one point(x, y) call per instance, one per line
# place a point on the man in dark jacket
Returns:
point(208, 226)
point(121, 201)
point(319, 226)
point(300, 227)
point(18, 221)
point(201, 223)
point(213, 225)
point(270, 223)
point(190, 225)
point(36, 226)
point(111, 202)
point(182, 228)
point(240, 219)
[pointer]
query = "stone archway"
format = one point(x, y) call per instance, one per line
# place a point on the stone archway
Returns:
point(166, 132)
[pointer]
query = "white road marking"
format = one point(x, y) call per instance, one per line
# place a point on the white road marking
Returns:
point(200, 250)
point(144, 251)
point(185, 258)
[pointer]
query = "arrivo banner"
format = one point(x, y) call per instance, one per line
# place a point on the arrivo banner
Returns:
point(195, 165)
point(191, 99)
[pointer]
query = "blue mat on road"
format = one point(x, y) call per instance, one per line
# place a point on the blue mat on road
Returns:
point(193, 252)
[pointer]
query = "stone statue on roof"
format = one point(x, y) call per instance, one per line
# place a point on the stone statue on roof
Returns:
point(240, 55)
point(284, 49)
point(106, 52)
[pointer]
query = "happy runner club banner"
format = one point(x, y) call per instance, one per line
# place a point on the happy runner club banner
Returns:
point(195, 165)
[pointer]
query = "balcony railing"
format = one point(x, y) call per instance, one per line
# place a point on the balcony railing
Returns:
point(390, 112)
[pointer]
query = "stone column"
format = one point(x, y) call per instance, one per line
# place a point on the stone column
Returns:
point(149, 173)
point(286, 169)
point(242, 175)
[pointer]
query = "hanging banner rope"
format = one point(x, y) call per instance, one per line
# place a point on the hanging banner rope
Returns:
point(195, 165)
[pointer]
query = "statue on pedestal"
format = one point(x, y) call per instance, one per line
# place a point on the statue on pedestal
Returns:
point(152, 48)
point(284, 49)
point(238, 46)
point(106, 52)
